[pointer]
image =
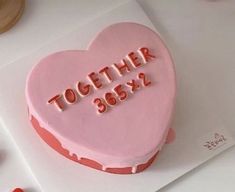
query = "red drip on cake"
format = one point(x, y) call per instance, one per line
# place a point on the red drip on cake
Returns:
point(52, 141)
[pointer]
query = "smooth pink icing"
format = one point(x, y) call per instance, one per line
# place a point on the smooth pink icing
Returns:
point(133, 130)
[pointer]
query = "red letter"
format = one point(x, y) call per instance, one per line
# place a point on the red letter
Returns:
point(144, 52)
point(133, 59)
point(70, 96)
point(133, 84)
point(106, 73)
point(122, 67)
point(95, 80)
point(83, 90)
point(57, 101)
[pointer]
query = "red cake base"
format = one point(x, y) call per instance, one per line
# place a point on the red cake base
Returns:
point(52, 141)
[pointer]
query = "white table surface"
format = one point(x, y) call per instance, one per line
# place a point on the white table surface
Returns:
point(45, 21)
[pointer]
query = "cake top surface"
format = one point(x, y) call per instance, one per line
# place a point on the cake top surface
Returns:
point(133, 126)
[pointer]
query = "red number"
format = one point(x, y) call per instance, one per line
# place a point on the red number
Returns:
point(120, 92)
point(100, 104)
point(110, 99)
point(145, 81)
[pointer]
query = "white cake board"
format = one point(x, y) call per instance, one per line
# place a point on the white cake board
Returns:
point(196, 122)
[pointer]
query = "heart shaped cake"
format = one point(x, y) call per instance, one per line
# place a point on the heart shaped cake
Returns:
point(108, 107)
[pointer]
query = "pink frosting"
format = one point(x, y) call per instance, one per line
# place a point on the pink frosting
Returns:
point(130, 132)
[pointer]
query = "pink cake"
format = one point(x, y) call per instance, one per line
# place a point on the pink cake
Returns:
point(108, 107)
